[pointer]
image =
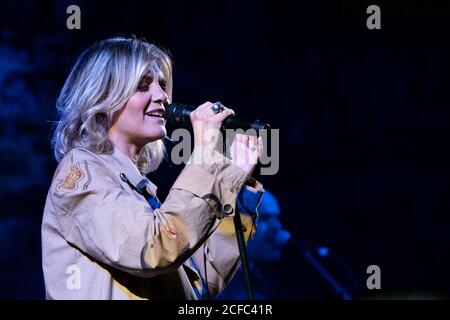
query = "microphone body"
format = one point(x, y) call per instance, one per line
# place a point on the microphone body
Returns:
point(178, 114)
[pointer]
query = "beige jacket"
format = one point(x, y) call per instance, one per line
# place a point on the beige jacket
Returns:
point(102, 240)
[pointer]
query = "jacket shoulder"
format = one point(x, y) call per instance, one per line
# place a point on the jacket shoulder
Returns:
point(80, 154)
point(78, 164)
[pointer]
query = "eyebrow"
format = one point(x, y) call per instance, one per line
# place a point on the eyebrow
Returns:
point(149, 77)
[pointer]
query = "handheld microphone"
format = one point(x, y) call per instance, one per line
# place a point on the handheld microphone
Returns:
point(177, 114)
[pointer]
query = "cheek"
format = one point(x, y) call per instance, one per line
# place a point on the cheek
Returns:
point(137, 104)
point(133, 112)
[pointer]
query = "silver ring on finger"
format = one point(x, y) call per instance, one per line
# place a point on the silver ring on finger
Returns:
point(252, 148)
point(217, 107)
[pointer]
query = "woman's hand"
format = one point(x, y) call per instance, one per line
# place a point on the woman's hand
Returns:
point(206, 125)
point(245, 152)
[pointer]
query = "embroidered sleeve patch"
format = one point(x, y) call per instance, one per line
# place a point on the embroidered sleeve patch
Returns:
point(70, 181)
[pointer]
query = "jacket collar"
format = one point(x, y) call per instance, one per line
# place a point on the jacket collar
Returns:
point(125, 165)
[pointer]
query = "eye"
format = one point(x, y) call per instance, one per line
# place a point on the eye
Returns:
point(143, 87)
point(163, 84)
point(145, 82)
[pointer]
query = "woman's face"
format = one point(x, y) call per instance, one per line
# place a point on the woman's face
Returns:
point(141, 120)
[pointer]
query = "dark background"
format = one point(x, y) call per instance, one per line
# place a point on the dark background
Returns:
point(363, 117)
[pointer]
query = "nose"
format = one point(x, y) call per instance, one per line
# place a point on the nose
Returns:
point(159, 95)
point(282, 237)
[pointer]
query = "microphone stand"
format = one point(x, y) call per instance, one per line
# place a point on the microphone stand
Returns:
point(243, 254)
point(337, 287)
point(240, 237)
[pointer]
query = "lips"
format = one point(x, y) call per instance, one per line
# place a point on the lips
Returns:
point(156, 113)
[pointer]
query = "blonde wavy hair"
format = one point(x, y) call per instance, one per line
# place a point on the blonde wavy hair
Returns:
point(100, 83)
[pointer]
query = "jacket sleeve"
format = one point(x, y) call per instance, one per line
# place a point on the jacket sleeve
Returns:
point(100, 218)
point(218, 259)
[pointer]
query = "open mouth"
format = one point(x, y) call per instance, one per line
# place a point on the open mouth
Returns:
point(155, 113)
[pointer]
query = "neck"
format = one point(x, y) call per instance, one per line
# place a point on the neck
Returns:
point(131, 150)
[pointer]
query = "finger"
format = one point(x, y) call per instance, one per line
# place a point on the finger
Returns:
point(245, 139)
point(219, 117)
point(253, 150)
point(252, 143)
point(235, 145)
point(237, 139)
point(260, 147)
point(204, 111)
point(204, 106)
point(242, 138)
point(197, 113)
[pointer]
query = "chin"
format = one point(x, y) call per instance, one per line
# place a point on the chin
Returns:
point(162, 134)
point(157, 135)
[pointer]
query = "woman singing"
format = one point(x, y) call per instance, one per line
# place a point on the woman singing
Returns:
point(104, 233)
